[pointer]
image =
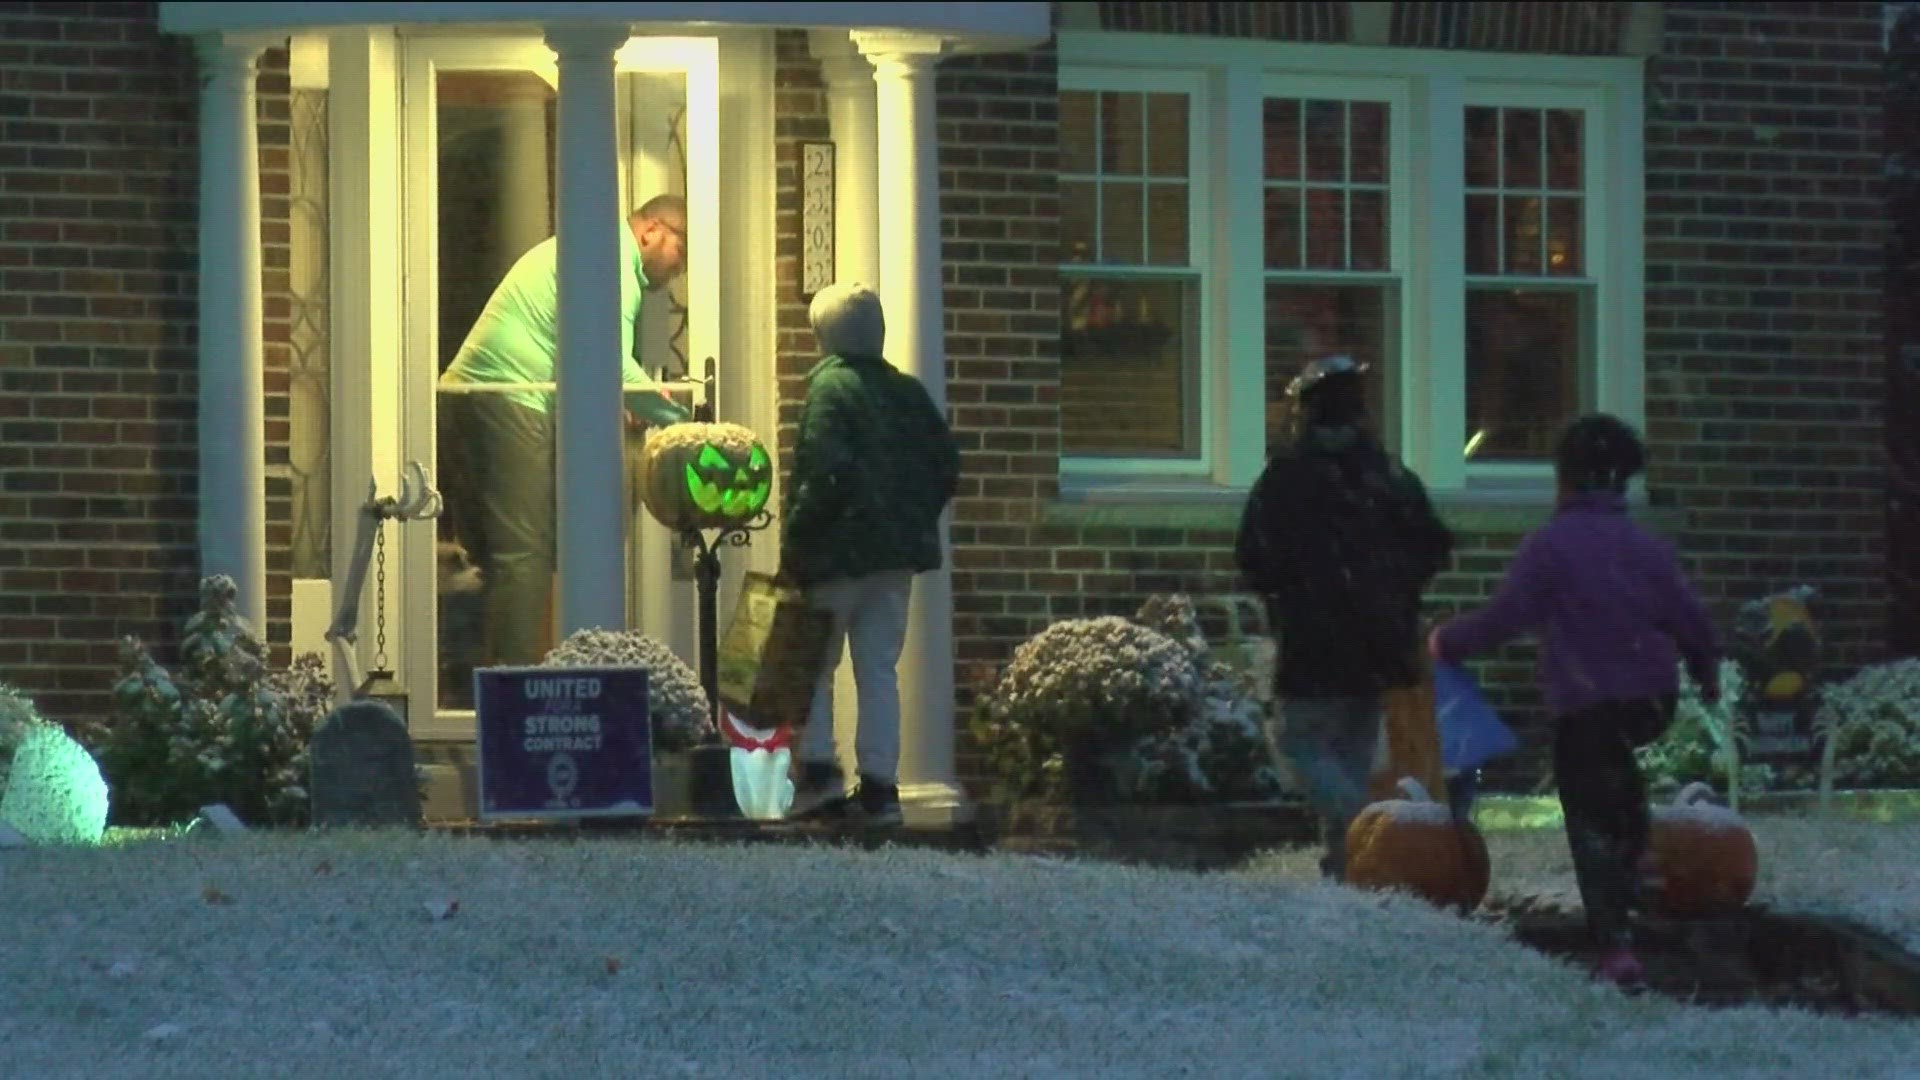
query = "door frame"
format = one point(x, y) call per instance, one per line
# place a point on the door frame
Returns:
point(730, 74)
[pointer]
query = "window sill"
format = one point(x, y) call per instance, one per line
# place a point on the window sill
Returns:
point(1506, 508)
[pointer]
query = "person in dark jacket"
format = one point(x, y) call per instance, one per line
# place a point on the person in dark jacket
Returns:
point(1617, 617)
point(873, 469)
point(1341, 541)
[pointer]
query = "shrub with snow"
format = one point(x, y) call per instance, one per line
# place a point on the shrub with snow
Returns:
point(18, 719)
point(1139, 700)
point(1875, 717)
point(676, 702)
point(225, 728)
point(56, 794)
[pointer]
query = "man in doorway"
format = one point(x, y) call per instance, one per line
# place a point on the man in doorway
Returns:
point(501, 445)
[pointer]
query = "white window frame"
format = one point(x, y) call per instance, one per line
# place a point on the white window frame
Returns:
point(1432, 89)
point(1192, 83)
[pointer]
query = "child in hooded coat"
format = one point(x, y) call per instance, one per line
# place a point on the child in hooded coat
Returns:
point(1616, 616)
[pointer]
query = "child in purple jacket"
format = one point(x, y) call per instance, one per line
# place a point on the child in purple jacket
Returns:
point(1616, 616)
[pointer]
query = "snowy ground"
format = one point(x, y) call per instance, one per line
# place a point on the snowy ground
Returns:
point(340, 957)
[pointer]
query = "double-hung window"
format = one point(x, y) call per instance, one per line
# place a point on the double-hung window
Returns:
point(1467, 225)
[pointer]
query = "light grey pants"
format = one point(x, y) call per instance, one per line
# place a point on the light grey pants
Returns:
point(1330, 741)
point(869, 621)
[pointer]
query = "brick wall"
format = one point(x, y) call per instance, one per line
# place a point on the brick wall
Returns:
point(1903, 331)
point(97, 303)
point(1764, 220)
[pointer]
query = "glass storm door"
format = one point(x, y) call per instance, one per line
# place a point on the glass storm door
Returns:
point(478, 130)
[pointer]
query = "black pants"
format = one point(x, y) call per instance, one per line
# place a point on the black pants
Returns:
point(498, 458)
point(1605, 801)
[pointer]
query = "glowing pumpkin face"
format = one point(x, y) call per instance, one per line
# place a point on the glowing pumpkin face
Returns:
point(705, 476)
point(719, 485)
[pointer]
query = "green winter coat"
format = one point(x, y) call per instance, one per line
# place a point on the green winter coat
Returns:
point(874, 466)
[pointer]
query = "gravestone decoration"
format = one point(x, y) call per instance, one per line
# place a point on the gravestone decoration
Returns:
point(362, 769)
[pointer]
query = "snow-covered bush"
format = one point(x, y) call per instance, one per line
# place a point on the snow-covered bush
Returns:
point(1698, 745)
point(1875, 718)
point(224, 728)
point(1135, 706)
point(676, 702)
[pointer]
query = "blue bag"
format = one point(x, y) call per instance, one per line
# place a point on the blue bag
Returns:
point(1471, 733)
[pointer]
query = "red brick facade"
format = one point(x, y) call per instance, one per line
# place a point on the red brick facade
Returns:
point(1764, 223)
point(98, 453)
point(1765, 219)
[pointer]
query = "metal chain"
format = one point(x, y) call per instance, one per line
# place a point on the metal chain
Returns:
point(380, 598)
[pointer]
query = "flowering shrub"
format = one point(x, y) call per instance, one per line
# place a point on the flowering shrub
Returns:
point(226, 728)
point(1136, 706)
point(676, 702)
point(1875, 717)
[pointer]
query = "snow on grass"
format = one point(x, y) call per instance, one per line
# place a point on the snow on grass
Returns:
point(346, 955)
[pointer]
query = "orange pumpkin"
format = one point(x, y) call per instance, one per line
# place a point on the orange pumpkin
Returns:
point(1417, 845)
point(1703, 854)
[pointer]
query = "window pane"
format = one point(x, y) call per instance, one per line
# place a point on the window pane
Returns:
point(1525, 352)
point(1282, 139)
point(1521, 147)
point(1079, 205)
point(1121, 134)
point(1167, 134)
point(1121, 223)
point(1326, 141)
point(1326, 229)
point(1129, 366)
point(1483, 234)
point(1367, 225)
point(1076, 132)
point(1306, 322)
point(1566, 157)
point(1368, 145)
point(1483, 148)
point(1522, 234)
point(1167, 225)
point(1283, 228)
point(1564, 228)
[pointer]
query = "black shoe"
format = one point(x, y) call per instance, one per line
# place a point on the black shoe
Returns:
point(821, 792)
point(877, 803)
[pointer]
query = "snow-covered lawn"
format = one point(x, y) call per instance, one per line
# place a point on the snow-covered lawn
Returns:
point(340, 956)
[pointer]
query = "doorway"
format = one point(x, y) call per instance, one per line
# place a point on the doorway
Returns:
point(478, 125)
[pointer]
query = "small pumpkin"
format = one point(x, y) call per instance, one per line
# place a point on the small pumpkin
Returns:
point(1416, 844)
point(1703, 854)
point(704, 476)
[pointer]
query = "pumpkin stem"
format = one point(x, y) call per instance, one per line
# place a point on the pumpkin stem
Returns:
point(1413, 790)
point(1697, 792)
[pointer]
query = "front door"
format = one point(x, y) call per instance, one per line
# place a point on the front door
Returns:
point(477, 117)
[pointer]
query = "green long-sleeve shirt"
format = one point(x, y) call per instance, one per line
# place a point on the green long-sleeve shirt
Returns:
point(516, 337)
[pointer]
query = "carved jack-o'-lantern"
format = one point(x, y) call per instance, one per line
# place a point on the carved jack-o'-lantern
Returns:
point(705, 476)
point(1703, 854)
point(1417, 845)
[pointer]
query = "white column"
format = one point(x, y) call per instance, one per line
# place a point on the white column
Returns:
point(910, 286)
point(588, 466)
point(853, 116)
point(853, 113)
point(523, 220)
point(233, 433)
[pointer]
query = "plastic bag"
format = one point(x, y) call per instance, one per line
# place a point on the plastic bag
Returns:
point(1471, 733)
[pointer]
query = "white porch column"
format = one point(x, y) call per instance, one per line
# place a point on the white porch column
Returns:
point(910, 286)
point(853, 115)
point(233, 433)
point(589, 474)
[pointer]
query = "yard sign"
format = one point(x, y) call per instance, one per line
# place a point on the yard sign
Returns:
point(564, 742)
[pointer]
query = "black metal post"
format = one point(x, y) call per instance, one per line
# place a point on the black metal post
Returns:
point(706, 577)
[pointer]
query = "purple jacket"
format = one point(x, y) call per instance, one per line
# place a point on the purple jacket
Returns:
point(1609, 599)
